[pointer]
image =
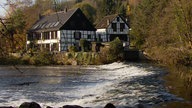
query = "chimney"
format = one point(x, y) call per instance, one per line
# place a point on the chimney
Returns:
point(108, 22)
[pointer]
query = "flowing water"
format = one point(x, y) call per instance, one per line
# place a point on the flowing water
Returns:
point(123, 84)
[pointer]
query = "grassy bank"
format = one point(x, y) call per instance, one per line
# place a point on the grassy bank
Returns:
point(67, 58)
point(170, 56)
point(111, 53)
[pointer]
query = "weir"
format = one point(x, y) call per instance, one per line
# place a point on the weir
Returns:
point(123, 84)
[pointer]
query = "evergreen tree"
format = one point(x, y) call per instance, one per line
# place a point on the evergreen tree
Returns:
point(122, 11)
point(106, 7)
point(88, 10)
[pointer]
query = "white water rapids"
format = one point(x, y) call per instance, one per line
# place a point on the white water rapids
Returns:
point(123, 84)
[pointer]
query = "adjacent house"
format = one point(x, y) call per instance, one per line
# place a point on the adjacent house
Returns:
point(58, 31)
point(113, 26)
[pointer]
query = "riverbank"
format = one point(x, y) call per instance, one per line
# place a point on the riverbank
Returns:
point(70, 58)
point(107, 53)
point(46, 58)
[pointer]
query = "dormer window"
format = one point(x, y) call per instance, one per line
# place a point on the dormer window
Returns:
point(77, 35)
point(114, 27)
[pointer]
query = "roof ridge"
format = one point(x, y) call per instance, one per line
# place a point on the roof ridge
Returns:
point(61, 12)
point(74, 10)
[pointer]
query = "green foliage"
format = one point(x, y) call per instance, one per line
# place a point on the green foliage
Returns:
point(78, 58)
point(85, 45)
point(14, 30)
point(141, 21)
point(88, 10)
point(109, 7)
point(42, 58)
point(116, 49)
point(161, 28)
point(11, 60)
point(122, 11)
point(183, 21)
point(111, 53)
point(72, 49)
point(18, 23)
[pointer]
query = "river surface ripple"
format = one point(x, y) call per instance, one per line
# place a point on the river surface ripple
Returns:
point(123, 84)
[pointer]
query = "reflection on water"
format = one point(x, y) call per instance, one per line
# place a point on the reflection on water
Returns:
point(179, 82)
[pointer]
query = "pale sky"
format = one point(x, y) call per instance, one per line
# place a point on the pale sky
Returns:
point(2, 11)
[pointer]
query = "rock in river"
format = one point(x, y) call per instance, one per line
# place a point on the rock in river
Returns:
point(72, 106)
point(109, 105)
point(29, 105)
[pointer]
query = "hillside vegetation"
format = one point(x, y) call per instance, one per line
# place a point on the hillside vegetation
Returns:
point(163, 29)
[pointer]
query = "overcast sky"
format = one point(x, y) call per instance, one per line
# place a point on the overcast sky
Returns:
point(2, 11)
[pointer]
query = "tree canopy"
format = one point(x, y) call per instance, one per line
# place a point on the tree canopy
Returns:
point(163, 29)
point(88, 10)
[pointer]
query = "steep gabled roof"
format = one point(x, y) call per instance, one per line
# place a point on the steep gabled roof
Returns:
point(53, 21)
point(104, 22)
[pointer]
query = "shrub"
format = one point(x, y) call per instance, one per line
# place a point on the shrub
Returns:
point(116, 49)
point(72, 49)
point(42, 58)
point(85, 45)
point(10, 60)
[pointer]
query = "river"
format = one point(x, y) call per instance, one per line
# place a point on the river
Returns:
point(123, 84)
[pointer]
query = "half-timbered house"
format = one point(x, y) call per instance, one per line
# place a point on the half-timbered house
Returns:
point(113, 26)
point(58, 31)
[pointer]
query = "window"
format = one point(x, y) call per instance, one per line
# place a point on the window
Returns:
point(46, 35)
point(77, 35)
point(54, 35)
point(64, 48)
point(122, 26)
point(114, 27)
point(117, 19)
point(38, 36)
point(88, 36)
point(99, 39)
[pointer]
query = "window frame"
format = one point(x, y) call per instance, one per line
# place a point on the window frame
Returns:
point(122, 27)
point(114, 27)
point(77, 35)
